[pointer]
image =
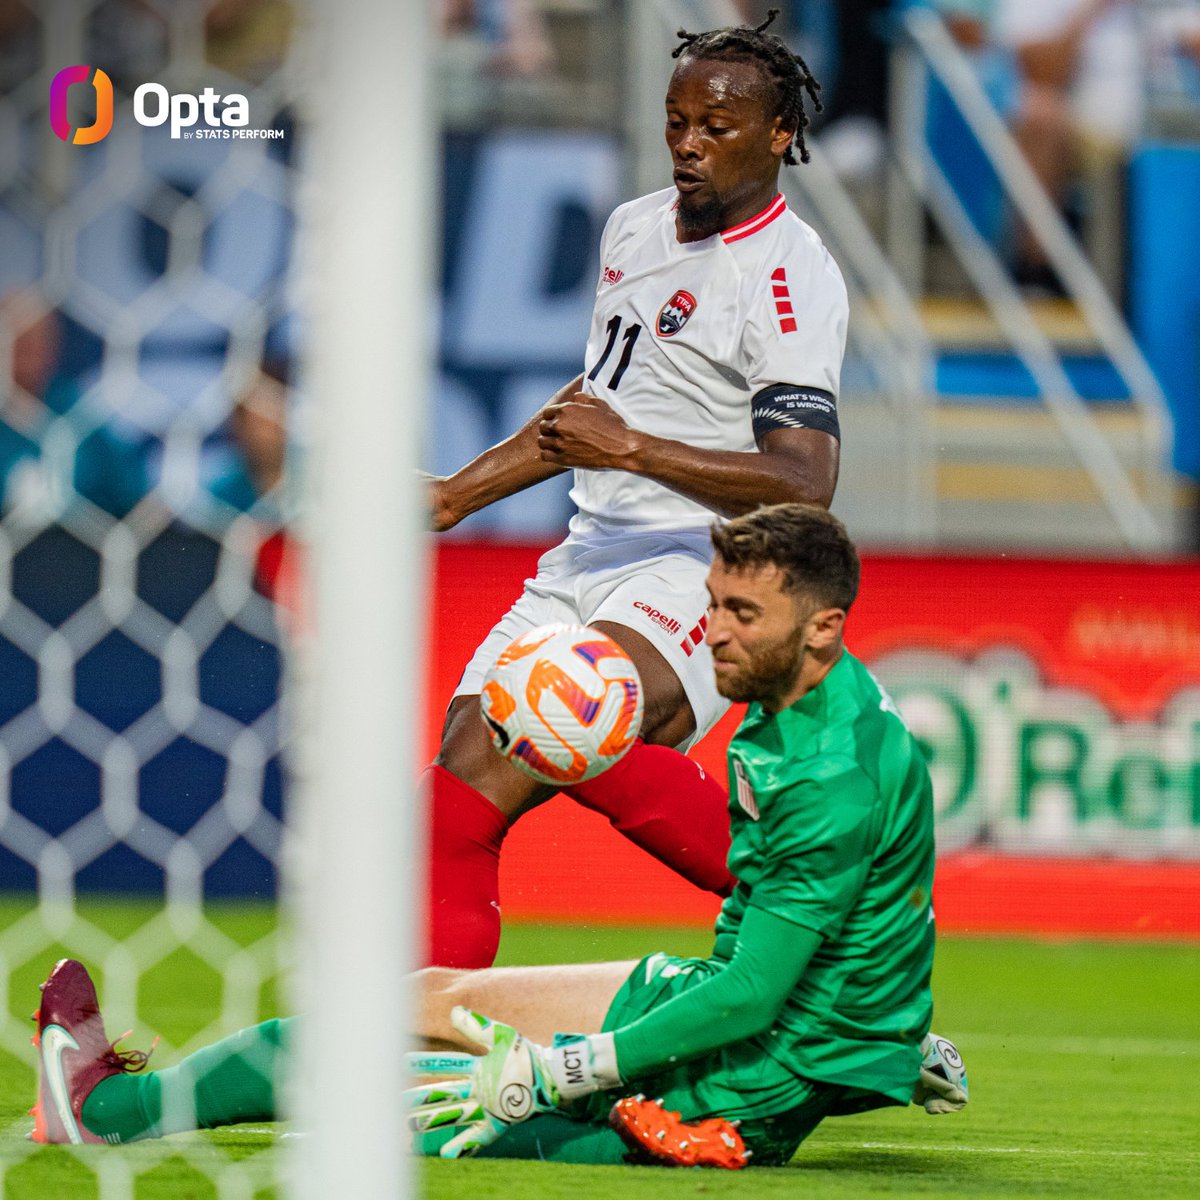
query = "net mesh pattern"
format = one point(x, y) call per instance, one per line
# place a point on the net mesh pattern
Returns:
point(143, 281)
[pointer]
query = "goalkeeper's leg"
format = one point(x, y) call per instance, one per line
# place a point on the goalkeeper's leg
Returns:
point(234, 1080)
point(538, 1001)
point(227, 1083)
point(547, 1138)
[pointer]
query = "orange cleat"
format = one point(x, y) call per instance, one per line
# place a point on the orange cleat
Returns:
point(658, 1137)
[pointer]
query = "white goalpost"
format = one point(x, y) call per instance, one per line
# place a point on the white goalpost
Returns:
point(372, 239)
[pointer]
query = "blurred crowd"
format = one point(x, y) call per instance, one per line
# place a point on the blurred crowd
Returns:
point(68, 449)
point(56, 448)
point(245, 38)
point(1079, 83)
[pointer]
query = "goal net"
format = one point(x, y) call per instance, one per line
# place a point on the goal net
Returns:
point(148, 184)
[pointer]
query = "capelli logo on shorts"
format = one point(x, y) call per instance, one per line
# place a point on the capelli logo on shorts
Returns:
point(659, 618)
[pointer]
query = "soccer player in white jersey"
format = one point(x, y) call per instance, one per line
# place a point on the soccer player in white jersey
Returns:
point(709, 385)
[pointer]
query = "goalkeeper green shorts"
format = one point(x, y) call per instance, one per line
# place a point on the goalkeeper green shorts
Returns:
point(778, 1109)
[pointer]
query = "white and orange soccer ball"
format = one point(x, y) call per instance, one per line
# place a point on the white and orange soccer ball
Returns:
point(562, 703)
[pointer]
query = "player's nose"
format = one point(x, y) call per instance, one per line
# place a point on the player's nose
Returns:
point(687, 144)
point(717, 634)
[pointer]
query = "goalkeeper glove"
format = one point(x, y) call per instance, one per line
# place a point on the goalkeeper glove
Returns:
point(942, 1086)
point(514, 1080)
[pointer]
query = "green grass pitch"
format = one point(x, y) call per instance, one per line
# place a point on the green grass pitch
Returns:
point(1083, 1060)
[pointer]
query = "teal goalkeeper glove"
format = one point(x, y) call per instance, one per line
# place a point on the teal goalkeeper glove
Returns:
point(514, 1080)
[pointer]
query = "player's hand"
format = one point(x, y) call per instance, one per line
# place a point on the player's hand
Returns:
point(508, 1084)
point(449, 1104)
point(584, 431)
point(942, 1087)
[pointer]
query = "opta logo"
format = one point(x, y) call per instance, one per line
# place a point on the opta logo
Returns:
point(673, 315)
point(60, 121)
point(219, 116)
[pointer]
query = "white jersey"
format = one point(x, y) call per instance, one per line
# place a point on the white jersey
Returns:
point(685, 334)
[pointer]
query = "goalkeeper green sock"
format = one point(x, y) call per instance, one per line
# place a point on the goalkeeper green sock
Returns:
point(232, 1080)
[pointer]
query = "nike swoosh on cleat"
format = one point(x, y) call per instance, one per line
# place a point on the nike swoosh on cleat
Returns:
point(56, 1040)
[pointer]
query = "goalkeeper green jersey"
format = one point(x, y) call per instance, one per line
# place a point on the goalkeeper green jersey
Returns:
point(832, 825)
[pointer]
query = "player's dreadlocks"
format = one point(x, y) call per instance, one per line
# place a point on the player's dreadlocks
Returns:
point(788, 72)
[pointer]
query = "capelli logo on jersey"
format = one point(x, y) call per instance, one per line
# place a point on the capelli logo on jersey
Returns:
point(218, 116)
point(674, 315)
point(659, 618)
point(612, 275)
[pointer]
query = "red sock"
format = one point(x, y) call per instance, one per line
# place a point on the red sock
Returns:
point(466, 830)
point(665, 803)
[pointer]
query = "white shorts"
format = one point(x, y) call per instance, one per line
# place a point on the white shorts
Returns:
point(652, 583)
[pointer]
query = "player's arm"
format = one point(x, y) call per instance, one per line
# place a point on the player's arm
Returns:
point(820, 835)
point(791, 464)
point(739, 1002)
point(507, 468)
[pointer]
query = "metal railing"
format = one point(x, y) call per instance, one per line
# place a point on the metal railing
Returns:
point(887, 330)
point(926, 51)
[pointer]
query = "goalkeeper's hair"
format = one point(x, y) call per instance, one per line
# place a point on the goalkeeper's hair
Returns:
point(809, 545)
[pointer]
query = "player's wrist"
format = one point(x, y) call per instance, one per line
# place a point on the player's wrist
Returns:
point(581, 1064)
point(443, 513)
point(639, 456)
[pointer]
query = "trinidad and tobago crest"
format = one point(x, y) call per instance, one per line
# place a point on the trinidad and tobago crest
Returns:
point(673, 315)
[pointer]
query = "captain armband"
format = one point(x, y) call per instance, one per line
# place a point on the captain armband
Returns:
point(786, 406)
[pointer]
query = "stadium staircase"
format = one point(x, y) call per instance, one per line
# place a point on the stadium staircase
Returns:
point(1044, 427)
point(1003, 473)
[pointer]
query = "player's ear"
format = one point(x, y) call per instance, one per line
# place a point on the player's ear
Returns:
point(782, 137)
point(824, 628)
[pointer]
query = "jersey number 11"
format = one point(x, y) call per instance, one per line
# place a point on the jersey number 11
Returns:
point(629, 338)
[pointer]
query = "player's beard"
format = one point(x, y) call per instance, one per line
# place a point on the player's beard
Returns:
point(700, 216)
point(771, 671)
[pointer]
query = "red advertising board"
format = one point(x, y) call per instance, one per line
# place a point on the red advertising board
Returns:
point(1059, 705)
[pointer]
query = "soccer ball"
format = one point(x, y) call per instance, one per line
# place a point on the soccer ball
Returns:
point(562, 703)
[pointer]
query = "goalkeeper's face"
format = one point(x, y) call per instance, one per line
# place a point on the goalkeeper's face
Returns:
point(758, 634)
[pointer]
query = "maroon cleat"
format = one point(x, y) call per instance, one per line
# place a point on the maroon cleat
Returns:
point(658, 1137)
point(74, 1054)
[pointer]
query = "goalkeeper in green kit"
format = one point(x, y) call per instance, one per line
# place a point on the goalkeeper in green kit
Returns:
point(815, 1002)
